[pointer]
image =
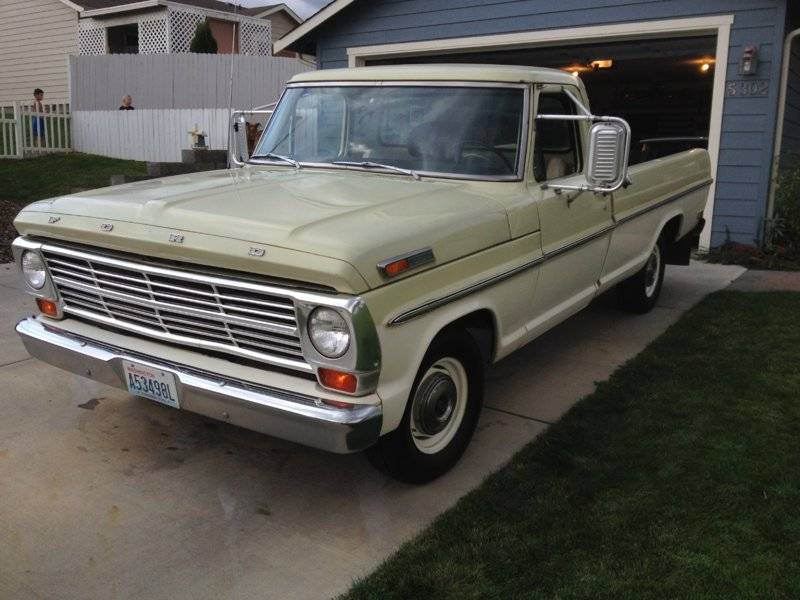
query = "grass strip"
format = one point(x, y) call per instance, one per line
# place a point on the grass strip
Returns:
point(28, 179)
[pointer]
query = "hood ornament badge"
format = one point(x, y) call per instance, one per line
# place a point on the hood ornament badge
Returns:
point(53, 219)
point(106, 227)
point(256, 251)
point(176, 238)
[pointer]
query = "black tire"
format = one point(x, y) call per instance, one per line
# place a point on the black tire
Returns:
point(639, 293)
point(398, 453)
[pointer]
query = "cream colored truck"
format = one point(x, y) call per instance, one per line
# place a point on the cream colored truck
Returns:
point(396, 230)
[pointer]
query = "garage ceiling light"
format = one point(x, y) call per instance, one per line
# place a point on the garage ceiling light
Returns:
point(605, 63)
point(701, 61)
point(595, 65)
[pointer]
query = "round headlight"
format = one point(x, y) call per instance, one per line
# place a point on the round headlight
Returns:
point(33, 269)
point(328, 332)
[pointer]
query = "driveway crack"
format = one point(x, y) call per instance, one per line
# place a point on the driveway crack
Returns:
point(16, 362)
point(513, 414)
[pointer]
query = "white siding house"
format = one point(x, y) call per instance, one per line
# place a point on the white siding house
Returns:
point(37, 36)
point(36, 39)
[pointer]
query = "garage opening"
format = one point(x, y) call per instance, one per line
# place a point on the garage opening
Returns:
point(662, 87)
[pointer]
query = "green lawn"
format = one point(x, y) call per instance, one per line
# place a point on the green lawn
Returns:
point(677, 478)
point(30, 179)
point(24, 180)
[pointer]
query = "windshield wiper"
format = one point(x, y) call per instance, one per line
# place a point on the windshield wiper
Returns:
point(373, 165)
point(272, 155)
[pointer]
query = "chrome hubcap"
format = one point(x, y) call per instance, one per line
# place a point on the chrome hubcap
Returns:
point(438, 405)
point(435, 403)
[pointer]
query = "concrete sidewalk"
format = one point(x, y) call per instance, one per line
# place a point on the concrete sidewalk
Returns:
point(108, 496)
point(767, 281)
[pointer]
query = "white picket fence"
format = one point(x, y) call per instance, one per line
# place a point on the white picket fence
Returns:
point(152, 135)
point(25, 132)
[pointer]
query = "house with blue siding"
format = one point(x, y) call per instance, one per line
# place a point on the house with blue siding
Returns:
point(724, 74)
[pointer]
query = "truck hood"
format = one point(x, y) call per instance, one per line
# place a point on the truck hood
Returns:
point(302, 219)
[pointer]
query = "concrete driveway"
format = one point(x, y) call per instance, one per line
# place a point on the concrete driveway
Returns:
point(107, 496)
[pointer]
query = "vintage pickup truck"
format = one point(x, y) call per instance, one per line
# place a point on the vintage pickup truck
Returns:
point(396, 230)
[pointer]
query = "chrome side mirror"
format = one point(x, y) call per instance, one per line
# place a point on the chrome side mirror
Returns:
point(238, 136)
point(609, 147)
point(237, 148)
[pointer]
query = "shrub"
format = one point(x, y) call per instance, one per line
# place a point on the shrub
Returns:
point(203, 41)
point(786, 229)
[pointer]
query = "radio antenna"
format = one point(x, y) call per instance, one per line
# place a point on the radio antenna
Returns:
point(237, 27)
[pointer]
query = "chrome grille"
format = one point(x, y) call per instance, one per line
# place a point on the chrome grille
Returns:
point(211, 312)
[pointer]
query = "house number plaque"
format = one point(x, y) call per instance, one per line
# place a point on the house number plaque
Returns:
point(748, 89)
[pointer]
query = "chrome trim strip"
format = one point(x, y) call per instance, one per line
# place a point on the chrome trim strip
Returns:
point(415, 258)
point(579, 242)
point(476, 287)
point(439, 302)
point(407, 83)
point(672, 198)
point(277, 412)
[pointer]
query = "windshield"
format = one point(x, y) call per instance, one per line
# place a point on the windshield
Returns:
point(458, 131)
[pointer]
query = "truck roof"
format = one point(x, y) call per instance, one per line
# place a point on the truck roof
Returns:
point(443, 72)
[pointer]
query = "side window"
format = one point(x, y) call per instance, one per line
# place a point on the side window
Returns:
point(556, 151)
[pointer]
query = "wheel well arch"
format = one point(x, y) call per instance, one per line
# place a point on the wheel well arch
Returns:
point(672, 228)
point(482, 325)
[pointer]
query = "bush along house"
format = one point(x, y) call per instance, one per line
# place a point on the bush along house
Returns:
point(721, 74)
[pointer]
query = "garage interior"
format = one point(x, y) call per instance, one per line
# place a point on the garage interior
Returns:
point(663, 87)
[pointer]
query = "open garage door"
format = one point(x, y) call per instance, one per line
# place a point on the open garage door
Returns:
point(663, 87)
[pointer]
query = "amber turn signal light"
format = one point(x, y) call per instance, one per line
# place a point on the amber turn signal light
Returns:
point(48, 307)
point(337, 380)
point(397, 267)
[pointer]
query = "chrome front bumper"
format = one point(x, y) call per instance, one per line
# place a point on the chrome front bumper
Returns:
point(279, 413)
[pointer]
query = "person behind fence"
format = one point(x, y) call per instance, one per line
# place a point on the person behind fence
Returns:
point(127, 103)
point(37, 120)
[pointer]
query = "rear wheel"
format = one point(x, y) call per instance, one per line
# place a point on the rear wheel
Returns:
point(640, 292)
point(441, 412)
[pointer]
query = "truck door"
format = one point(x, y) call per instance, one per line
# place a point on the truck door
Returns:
point(575, 226)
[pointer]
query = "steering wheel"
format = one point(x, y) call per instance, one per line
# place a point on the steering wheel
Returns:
point(484, 146)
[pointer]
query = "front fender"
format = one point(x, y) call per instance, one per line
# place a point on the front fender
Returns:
point(403, 345)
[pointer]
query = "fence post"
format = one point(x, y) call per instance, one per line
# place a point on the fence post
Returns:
point(18, 131)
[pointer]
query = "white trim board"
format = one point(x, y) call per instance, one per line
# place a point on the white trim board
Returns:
point(312, 23)
point(718, 25)
point(110, 10)
point(72, 5)
point(277, 8)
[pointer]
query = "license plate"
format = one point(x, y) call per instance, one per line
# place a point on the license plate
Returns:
point(151, 383)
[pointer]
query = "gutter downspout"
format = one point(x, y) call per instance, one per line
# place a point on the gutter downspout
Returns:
point(776, 157)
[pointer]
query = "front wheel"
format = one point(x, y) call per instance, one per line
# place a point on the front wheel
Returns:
point(441, 413)
point(639, 293)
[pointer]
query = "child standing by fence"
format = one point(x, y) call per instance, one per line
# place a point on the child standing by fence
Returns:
point(37, 120)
